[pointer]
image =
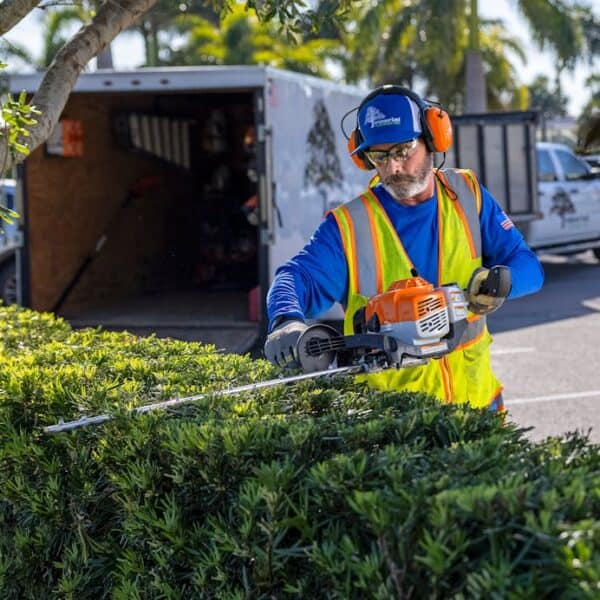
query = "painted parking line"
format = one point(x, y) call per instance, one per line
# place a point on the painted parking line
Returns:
point(592, 303)
point(501, 351)
point(552, 397)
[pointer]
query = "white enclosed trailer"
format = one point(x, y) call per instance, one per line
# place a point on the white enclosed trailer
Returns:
point(166, 198)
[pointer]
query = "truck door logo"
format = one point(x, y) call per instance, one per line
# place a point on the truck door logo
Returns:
point(562, 205)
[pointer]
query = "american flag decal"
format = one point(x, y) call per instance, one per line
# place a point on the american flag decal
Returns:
point(506, 223)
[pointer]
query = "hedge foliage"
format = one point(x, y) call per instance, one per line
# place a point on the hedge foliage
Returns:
point(309, 491)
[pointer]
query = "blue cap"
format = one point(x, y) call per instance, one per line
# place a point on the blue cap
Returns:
point(388, 119)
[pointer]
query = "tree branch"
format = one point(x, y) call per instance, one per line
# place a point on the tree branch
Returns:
point(12, 11)
point(60, 78)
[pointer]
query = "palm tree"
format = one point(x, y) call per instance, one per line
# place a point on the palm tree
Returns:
point(57, 23)
point(409, 42)
point(502, 87)
point(158, 25)
point(58, 26)
point(241, 39)
point(11, 50)
point(446, 43)
point(588, 130)
point(571, 32)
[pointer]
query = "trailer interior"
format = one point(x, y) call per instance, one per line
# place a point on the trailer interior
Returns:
point(142, 216)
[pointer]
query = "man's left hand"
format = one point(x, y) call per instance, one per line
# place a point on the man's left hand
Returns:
point(488, 288)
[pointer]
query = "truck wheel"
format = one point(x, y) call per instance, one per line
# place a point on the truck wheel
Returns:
point(8, 283)
point(596, 252)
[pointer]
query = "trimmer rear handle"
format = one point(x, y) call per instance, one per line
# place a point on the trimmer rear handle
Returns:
point(498, 283)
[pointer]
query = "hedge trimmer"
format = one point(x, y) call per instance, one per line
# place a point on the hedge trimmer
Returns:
point(405, 326)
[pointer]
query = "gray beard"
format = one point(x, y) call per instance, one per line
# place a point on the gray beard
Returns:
point(402, 187)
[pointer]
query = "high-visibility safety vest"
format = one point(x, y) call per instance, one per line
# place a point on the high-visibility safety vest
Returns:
point(376, 258)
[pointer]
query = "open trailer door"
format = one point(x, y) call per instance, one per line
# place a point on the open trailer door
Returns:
point(151, 226)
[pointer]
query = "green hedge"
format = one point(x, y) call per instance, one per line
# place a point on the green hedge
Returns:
point(309, 491)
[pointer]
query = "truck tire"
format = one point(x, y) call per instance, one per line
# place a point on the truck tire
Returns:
point(596, 252)
point(8, 283)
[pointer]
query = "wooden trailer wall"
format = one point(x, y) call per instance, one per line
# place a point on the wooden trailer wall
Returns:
point(72, 201)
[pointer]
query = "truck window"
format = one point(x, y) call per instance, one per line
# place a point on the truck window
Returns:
point(545, 167)
point(573, 167)
point(7, 193)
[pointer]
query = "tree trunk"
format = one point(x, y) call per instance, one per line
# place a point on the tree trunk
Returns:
point(64, 70)
point(154, 42)
point(475, 94)
point(12, 11)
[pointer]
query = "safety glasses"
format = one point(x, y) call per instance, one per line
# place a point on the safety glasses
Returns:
point(402, 151)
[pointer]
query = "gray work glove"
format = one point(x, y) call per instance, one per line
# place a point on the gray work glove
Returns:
point(488, 288)
point(281, 345)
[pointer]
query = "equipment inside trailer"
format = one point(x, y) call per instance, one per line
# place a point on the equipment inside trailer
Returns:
point(154, 223)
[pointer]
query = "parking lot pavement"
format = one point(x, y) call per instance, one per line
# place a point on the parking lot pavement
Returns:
point(546, 351)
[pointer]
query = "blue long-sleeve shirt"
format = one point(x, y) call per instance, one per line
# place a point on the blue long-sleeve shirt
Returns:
point(317, 277)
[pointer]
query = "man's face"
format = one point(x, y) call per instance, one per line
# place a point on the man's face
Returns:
point(408, 176)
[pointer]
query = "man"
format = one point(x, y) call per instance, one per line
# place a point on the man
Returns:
point(442, 223)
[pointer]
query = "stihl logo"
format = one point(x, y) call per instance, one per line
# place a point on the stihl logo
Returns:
point(375, 118)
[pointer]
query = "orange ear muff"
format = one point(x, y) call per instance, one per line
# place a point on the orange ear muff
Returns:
point(440, 128)
point(357, 159)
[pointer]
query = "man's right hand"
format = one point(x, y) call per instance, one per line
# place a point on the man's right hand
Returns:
point(281, 345)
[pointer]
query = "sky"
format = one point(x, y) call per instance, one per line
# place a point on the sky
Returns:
point(542, 63)
point(128, 49)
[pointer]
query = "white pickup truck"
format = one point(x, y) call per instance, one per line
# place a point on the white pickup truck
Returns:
point(569, 203)
point(552, 195)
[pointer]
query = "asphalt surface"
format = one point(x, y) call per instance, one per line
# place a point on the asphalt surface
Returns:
point(546, 350)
